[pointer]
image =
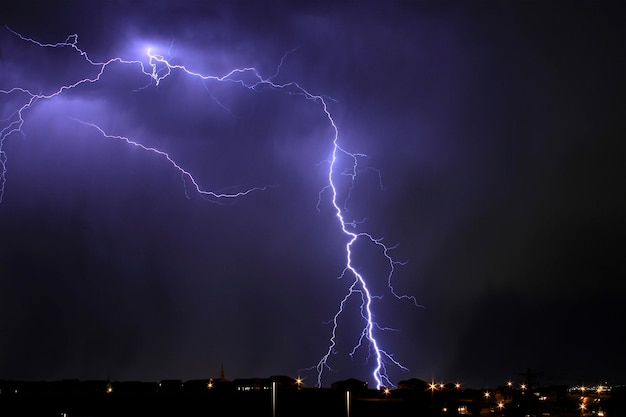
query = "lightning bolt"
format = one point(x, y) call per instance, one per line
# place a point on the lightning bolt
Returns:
point(157, 68)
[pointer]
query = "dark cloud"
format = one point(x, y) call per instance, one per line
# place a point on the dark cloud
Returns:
point(495, 162)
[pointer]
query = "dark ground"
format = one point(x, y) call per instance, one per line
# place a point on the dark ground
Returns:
point(73, 398)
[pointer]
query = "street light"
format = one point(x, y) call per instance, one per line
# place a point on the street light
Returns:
point(432, 387)
point(500, 407)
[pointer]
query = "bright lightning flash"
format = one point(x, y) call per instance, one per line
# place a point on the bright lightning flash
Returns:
point(157, 68)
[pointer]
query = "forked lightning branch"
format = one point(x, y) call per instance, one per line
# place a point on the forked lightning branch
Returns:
point(157, 68)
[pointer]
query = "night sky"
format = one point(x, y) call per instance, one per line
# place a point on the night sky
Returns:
point(495, 169)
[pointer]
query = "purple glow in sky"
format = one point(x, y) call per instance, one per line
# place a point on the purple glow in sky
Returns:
point(377, 158)
point(158, 69)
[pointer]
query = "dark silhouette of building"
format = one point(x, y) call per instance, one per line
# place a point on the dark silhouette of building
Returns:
point(350, 384)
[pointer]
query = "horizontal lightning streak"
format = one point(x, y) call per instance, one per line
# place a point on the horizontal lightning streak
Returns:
point(183, 172)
